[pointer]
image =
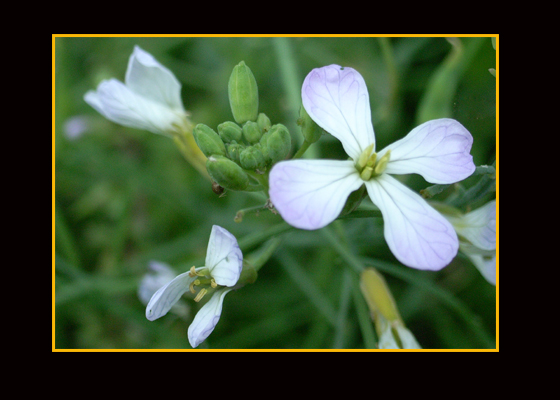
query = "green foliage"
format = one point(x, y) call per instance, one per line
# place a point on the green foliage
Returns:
point(125, 197)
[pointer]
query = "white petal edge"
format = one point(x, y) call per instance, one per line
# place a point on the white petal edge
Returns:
point(310, 194)
point(479, 226)
point(207, 318)
point(439, 150)
point(336, 98)
point(485, 265)
point(162, 300)
point(119, 104)
point(223, 257)
point(150, 79)
point(417, 234)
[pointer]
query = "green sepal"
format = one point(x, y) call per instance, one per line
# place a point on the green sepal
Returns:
point(310, 130)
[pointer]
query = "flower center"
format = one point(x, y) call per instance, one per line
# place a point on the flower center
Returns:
point(206, 281)
point(369, 166)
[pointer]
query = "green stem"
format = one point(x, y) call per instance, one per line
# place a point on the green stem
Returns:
point(304, 146)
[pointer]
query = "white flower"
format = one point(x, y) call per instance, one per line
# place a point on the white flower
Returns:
point(477, 238)
point(309, 194)
point(149, 99)
point(224, 262)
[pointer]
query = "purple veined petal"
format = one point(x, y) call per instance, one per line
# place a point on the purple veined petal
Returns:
point(439, 150)
point(150, 79)
point(310, 194)
point(417, 234)
point(207, 318)
point(162, 300)
point(337, 99)
point(223, 257)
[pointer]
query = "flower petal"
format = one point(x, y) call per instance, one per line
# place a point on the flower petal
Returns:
point(119, 104)
point(439, 150)
point(337, 99)
point(148, 78)
point(207, 318)
point(479, 226)
point(417, 234)
point(223, 257)
point(160, 275)
point(162, 300)
point(486, 266)
point(310, 194)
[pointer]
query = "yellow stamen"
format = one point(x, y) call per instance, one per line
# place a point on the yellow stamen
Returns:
point(200, 295)
point(213, 283)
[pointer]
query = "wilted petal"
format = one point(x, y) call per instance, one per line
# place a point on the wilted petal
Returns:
point(119, 104)
point(439, 150)
point(223, 257)
point(207, 318)
point(336, 98)
point(310, 194)
point(162, 300)
point(146, 77)
point(417, 234)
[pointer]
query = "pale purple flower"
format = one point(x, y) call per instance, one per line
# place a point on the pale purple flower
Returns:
point(224, 262)
point(310, 194)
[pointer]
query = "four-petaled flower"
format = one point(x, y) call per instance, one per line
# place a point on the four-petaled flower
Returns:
point(149, 99)
point(310, 194)
point(224, 262)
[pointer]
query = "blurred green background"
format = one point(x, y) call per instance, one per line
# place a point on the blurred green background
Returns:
point(125, 197)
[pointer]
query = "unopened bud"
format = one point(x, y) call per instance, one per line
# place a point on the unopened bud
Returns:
point(208, 141)
point(230, 131)
point(264, 122)
point(243, 94)
point(278, 143)
point(251, 158)
point(309, 129)
point(233, 151)
point(251, 132)
point(227, 173)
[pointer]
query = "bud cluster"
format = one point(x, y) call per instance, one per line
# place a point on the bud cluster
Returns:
point(248, 146)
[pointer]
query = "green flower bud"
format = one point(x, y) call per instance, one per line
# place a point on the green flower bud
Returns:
point(251, 132)
point(227, 173)
point(310, 130)
point(234, 150)
point(263, 122)
point(251, 158)
point(230, 131)
point(208, 141)
point(243, 94)
point(278, 143)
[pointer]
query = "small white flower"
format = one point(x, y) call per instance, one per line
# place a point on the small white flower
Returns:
point(477, 238)
point(310, 194)
point(224, 262)
point(149, 99)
